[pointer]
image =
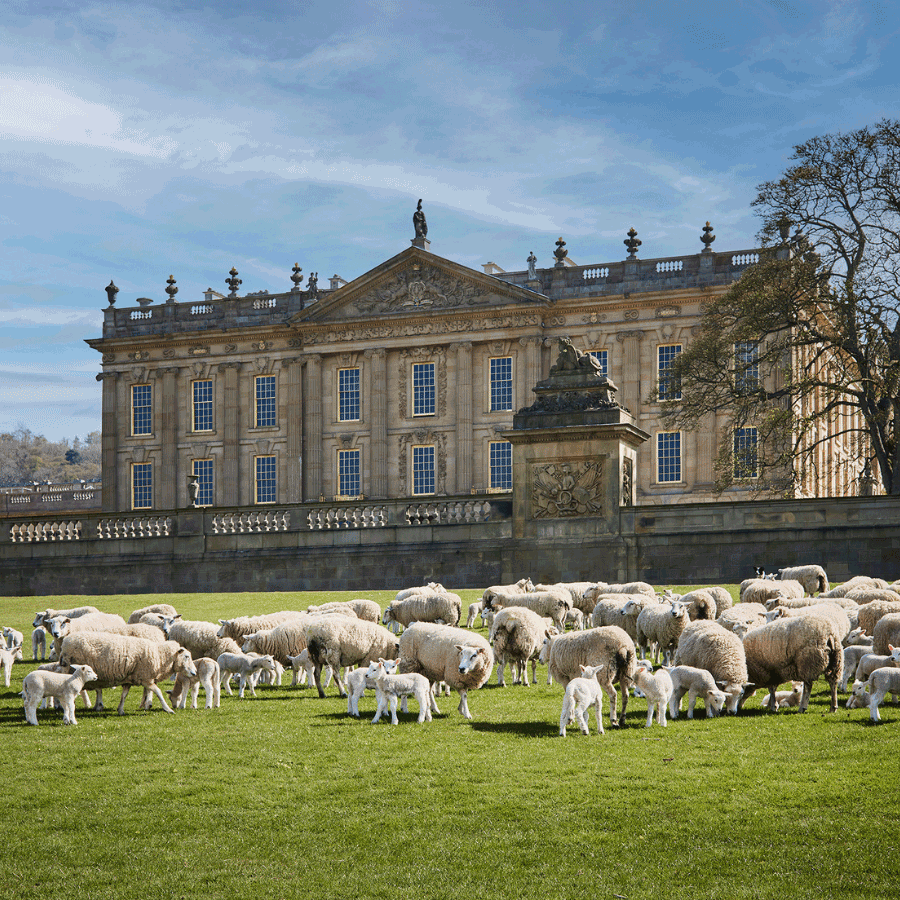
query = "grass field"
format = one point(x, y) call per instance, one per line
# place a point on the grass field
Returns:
point(285, 796)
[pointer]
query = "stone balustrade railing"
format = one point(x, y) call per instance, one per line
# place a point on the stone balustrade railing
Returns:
point(38, 499)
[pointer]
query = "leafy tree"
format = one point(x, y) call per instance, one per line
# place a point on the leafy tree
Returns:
point(26, 458)
point(805, 347)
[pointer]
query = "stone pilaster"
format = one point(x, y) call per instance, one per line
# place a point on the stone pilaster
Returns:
point(291, 377)
point(166, 497)
point(109, 446)
point(231, 436)
point(313, 427)
point(377, 413)
point(464, 453)
point(631, 366)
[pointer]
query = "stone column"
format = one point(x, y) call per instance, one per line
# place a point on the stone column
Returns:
point(464, 449)
point(167, 497)
point(631, 370)
point(231, 436)
point(377, 415)
point(291, 378)
point(109, 446)
point(531, 368)
point(312, 439)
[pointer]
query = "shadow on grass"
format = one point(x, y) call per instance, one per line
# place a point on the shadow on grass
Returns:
point(522, 729)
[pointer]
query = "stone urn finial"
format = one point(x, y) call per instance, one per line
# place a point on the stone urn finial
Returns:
point(632, 243)
point(234, 282)
point(171, 290)
point(111, 291)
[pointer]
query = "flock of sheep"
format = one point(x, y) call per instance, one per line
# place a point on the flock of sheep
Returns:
point(785, 629)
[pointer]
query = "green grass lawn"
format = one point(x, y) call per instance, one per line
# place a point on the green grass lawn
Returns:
point(286, 796)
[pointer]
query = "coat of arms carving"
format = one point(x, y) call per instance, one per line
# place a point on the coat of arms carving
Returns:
point(560, 490)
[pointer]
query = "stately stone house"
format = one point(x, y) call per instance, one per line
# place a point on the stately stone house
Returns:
point(401, 383)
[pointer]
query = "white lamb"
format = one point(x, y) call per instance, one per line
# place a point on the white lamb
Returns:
point(390, 687)
point(7, 658)
point(244, 667)
point(880, 683)
point(657, 687)
point(474, 611)
point(64, 688)
point(581, 694)
point(208, 675)
point(15, 639)
point(784, 699)
point(362, 679)
point(697, 684)
point(38, 643)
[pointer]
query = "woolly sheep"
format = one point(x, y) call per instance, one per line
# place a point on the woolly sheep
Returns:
point(244, 667)
point(390, 687)
point(657, 687)
point(609, 646)
point(364, 609)
point(581, 694)
point(723, 598)
point(283, 641)
point(576, 590)
point(162, 609)
point(38, 643)
point(444, 609)
point(517, 636)
point(830, 611)
point(575, 618)
point(522, 586)
point(753, 614)
point(813, 578)
point(869, 662)
point(339, 641)
point(362, 679)
point(208, 675)
point(237, 629)
point(707, 645)
point(879, 684)
point(701, 604)
point(795, 649)
point(125, 661)
point(858, 638)
point(870, 614)
point(593, 592)
point(852, 655)
point(64, 688)
point(697, 684)
point(784, 699)
point(857, 581)
point(886, 632)
point(7, 658)
point(632, 606)
point(758, 590)
point(610, 609)
point(14, 638)
point(432, 587)
point(453, 655)
point(41, 618)
point(554, 603)
point(659, 628)
point(199, 637)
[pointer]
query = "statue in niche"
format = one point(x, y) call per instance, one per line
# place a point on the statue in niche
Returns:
point(571, 359)
point(532, 271)
point(627, 482)
point(194, 489)
point(419, 223)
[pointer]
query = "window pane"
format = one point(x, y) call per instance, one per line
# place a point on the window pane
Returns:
point(501, 383)
point(142, 409)
point(265, 479)
point(668, 456)
point(348, 395)
point(423, 389)
point(265, 401)
point(745, 459)
point(501, 465)
point(423, 470)
point(746, 366)
point(602, 357)
point(142, 485)
point(203, 472)
point(203, 406)
point(348, 473)
point(668, 389)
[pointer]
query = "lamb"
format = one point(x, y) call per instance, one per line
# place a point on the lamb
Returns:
point(390, 687)
point(238, 629)
point(208, 675)
point(701, 604)
point(126, 661)
point(517, 636)
point(886, 632)
point(444, 609)
point(707, 645)
point(581, 694)
point(869, 662)
point(758, 590)
point(870, 614)
point(64, 688)
point(879, 684)
point(660, 627)
point(575, 618)
point(362, 679)
point(7, 658)
point(244, 667)
point(338, 641)
point(453, 655)
point(283, 641)
point(554, 603)
point(14, 638)
point(38, 643)
point(609, 646)
point(697, 684)
point(784, 699)
point(199, 637)
point(813, 578)
point(852, 657)
point(162, 609)
point(474, 610)
point(657, 688)
point(795, 649)
point(858, 638)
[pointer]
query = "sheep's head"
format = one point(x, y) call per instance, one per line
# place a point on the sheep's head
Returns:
point(387, 617)
point(631, 607)
point(59, 627)
point(544, 655)
point(184, 663)
point(468, 657)
point(592, 671)
point(86, 672)
point(894, 653)
point(679, 609)
point(741, 629)
point(715, 700)
point(167, 622)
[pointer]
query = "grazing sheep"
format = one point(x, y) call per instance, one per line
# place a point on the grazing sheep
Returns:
point(835, 614)
point(339, 641)
point(659, 628)
point(758, 590)
point(390, 687)
point(784, 699)
point(813, 578)
point(522, 586)
point(244, 667)
point(879, 684)
point(609, 646)
point(208, 675)
point(125, 661)
point(458, 657)
point(38, 643)
point(362, 679)
point(199, 637)
point(701, 604)
point(238, 629)
point(64, 688)
point(7, 658)
point(795, 649)
point(161, 609)
point(517, 636)
point(474, 609)
point(554, 603)
point(753, 614)
point(283, 641)
point(870, 614)
point(707, 645)
point(362, 608)
point(697, 684)
point(632, 606)
point(657, 688)
point(858, 581)
point(443, 609)
point(845, 603)
point(886, 632)
point(581, 694)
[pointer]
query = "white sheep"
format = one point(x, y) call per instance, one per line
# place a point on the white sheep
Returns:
point(237, 629)
point(522, 586)
point(14, 638)
point(852, 656)
point(303, 670)
point(758, 590)
point(160, 609)
point(697, 684)
point(627, 615)
point(879, 684)
point(869, 662)
point(389, 687)
point(576, 590)
point(362, 679)
point(7, 658)
point(857, 581)
point(701, 604)
point(338, 641)
point(64, 688)
point(458, 657)
point(441, 608)
point(575, 618)
point(244, 667)
point(474, 611)
point(581, 694)
point(753, 614)
point(723, 598)
point(431, 587)
point(813, 578)
point(592, 592)
point(38, 643)
point(283, 641)
point(784, 699)
point(707, 645)
point(554, 603)
point(609, 646)
point(125, 661)
point(830, 611)
point(58, 626)
point(208, 675)
point(42, 618)
point(360, 607)
point(871, 613)
point(659, 627)
point(657, 688)
point(886, 632)
point(199, 637)
point(517, 635)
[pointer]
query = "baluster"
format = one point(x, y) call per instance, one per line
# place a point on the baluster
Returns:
point(14, 534)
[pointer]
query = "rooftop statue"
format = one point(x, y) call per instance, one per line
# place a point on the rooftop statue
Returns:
point(419, 222)
point(571, 359)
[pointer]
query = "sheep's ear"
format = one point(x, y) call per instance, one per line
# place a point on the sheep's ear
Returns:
point(890, 648)
point(459, 646)
point(722, 685)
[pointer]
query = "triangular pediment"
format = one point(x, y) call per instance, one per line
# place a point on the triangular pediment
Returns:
point(416, 282)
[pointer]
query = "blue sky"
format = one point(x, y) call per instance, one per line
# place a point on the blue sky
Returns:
point(146, 139)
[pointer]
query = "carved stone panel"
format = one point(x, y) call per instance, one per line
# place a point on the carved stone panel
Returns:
point(421, 286)
point(561, 490)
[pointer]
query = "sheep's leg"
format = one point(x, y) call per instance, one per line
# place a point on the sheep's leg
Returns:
point(434, 706)
point(650, 710)
point(533, 671)
point(333, 659)
point(598, 713)
point(834, 700)
point(661, 713)
point(155, 688)
point(31, 704)
point(877, 697)
point(464, 703)
point(125, 689)
point(98, 702)
point(381, 705)
point(69, 710)
point(675, 704)
point(610, 690)
point(804, 700)
point(393, 704)
point(195, 695)
point(424, 706)
point(226, 680)
point(217, 694)
point(501, 665)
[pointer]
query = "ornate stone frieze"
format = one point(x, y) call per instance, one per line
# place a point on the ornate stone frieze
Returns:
point(593, 318)
point(561, 490)
point(623, 336)
point(630, 314)
point(198, 351)
point(139, 355)
point(421, 286)
point(666, 312)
